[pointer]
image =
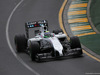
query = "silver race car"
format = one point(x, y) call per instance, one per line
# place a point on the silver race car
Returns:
point(46, 44)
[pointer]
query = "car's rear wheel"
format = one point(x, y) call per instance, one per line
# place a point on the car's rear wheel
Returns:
point(34, 49)
point(75, 43)
point(57, 31)
point(20, 42)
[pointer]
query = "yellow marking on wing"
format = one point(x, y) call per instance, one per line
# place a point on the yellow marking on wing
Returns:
point(77, 12)
point(78, 20)
point(81, 28)
point(78, 5)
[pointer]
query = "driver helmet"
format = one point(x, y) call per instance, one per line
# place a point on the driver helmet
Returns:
point(47, 34)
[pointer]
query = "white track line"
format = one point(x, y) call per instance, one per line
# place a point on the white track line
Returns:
point(9, 44)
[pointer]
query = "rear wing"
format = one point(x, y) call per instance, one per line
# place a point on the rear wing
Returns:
point(34, 24)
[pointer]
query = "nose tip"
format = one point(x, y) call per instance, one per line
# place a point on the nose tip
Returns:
point(60, 53)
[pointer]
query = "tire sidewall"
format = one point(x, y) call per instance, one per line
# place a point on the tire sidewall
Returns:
point(20, 42)
point(34, 49)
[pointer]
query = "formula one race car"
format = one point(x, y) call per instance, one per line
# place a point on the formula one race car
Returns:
point(46, 44)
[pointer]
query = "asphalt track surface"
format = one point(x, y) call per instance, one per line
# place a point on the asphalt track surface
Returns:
point(21, 64)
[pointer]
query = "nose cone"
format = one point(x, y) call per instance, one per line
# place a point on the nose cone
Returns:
point(60, 53)
point(57, 46)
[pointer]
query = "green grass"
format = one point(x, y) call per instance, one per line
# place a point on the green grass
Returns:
point(95, 13)
point(92, 42)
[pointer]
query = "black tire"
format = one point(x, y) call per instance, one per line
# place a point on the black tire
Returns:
point(57, 31)
point(75, 43)
point(34, 49)
point(20, 43)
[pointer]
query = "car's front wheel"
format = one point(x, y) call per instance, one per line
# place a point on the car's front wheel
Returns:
point(74, 44)
point(34, 49)
point(20, 42)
